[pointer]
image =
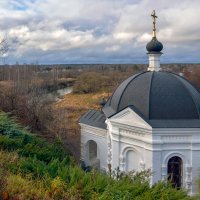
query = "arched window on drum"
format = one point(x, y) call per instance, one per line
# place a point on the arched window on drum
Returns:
point(174, 168)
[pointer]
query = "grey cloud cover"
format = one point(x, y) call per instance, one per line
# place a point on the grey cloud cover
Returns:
point(98, 31)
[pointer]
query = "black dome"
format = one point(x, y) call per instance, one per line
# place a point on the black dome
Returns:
point(156, 96)
point(154, 45)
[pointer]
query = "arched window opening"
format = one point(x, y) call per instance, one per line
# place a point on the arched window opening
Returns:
point(92, 150)
point(175, 171)
point(132, 161)
point(93, 156)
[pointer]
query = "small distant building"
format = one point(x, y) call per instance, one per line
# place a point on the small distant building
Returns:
point(151, 121)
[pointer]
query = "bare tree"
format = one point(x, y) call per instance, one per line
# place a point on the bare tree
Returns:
point(3, 49)
point(3, 46)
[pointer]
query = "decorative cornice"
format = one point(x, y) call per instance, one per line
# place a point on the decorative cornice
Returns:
point(182, 131)
point(176, 139)
point(132, 128)
point(128, 132)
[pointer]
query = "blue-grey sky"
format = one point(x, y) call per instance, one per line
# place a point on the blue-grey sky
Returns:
point(98, 31)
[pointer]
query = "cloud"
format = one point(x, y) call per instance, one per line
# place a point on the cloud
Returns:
point(112, 48)
point(92, 31)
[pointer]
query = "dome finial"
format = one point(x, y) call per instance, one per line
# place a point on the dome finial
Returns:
point(154, 45)
point(154, 48)
point(154, 22)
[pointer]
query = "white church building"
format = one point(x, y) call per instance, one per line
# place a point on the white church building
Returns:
point(151, 121)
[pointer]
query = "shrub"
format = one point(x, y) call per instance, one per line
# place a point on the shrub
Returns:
point(9, 127)
point(22, 188)
point(88, 83)
point(15, 137)
point(10, 144)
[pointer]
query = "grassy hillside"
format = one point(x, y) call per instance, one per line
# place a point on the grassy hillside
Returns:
point(33, 169)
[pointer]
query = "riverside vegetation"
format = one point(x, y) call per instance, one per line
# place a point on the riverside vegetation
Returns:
point(33, 169)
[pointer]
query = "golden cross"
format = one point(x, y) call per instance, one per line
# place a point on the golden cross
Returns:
point(154, 22)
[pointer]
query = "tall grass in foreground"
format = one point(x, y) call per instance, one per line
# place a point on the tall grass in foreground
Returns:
point(33, 169)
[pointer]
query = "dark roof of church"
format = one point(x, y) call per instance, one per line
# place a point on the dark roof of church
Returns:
point(162, 99)
point(156, 96)
point(94, 118)
point(184, 123)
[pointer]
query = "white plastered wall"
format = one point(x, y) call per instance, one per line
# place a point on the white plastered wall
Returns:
point(130, 133)
point(99, 136)
point(181, 142)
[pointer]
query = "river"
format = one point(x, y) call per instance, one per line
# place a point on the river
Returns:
point(59, 94)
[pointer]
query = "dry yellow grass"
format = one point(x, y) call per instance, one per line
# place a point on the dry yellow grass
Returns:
point(77, 105)
point(6, 84)
point(81, 101)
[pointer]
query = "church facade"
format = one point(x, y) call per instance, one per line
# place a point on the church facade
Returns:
point(151, 121)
